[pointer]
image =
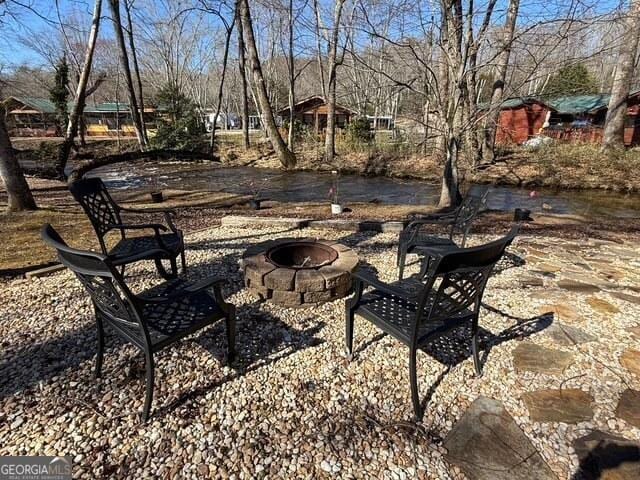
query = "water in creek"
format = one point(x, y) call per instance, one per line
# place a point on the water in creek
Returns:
point(315, 186)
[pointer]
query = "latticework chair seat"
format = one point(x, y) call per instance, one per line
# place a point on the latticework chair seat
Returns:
point(182, 315)
point(395, 315)
point(128, 247)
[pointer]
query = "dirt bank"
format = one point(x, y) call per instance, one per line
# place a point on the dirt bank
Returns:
point(557, 166)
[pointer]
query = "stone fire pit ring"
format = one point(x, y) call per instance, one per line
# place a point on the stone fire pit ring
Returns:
point(295, 272)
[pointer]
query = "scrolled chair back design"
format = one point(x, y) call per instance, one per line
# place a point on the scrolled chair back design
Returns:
point(93, 197)
point(110, 296)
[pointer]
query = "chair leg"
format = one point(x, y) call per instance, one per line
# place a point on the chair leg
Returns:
point(401, 262)
point(230, 321)
point(476, 357)
point(348, 338)
point(163, 272)
point(174, 267)
point(100, 354)
point(426, 263)
point(149, 393)
point(413, 376)
point(184, 262)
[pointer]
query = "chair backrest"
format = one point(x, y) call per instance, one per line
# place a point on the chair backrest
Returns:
point(109, 294)
point(95, 200)
point(466, 214)
point(462, 277)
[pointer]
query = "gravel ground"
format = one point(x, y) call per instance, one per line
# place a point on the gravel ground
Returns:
point(291, 406)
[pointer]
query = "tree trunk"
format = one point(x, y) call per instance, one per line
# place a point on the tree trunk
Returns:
point(292, 80)
point(287, 158)
point(225, 57)
point(613, 136)
point(136, 70)
point(244, 103)
point(330, 134)
point(78, 107)
point(493, 112)
point(20, 197)
point(126, 70)
point(450, 194)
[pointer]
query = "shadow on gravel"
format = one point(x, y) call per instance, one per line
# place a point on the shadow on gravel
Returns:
point(28, 365)
point(261, 340)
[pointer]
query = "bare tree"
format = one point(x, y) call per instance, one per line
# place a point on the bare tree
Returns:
point(286, 156)
point(81, 93)
point(613, 137)
point(491, 120)
point(128, 5)
point(330, 99)
point(244, 98)
point(20, 197)
point(136, 114)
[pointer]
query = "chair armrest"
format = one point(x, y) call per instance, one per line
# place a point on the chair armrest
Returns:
point(188, 289)
point(138, 226)
point(148, 211)
point(205, 283)
point(167, 212)
point(147, 254)
point(369, 280)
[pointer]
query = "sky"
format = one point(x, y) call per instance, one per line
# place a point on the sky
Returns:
point(31, 17)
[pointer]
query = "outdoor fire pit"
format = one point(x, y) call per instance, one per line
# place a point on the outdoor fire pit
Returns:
point(293, 272)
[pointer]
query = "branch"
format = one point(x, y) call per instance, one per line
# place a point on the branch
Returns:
point(88, 165)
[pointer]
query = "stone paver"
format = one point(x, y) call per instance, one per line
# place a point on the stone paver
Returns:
point(531, 357)
point(488, 445)
point(630, 360)
point(576, 286)
point(628, 408)
point(569, 405)
point(602, 306)
point(564, 312)
point(635, 299)
point(568, 335)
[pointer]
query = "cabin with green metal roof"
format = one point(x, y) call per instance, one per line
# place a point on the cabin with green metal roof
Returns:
point(570, 118)
point(36, 117)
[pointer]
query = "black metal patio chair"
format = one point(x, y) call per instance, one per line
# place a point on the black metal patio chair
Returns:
point(419, 312)
point(414, 240)
point(166, 243)
point(151, 320)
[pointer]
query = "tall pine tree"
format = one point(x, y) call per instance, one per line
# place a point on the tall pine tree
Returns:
point(59, 94)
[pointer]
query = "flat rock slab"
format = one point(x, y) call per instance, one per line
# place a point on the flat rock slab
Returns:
point(566, 335)
point(245, 221)
point(575, 286)
point(358, 225)
point(41, 272)
point(602, 306)
point(626, 297)
point(628, 408)
point(487, 444)
point(606, 457)
point(531, 281)
point(561, 311)
point(630, 360)
point(530, 357)
point(568, 405)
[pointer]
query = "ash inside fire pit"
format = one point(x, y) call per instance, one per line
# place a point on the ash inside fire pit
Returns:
point(299, 255)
